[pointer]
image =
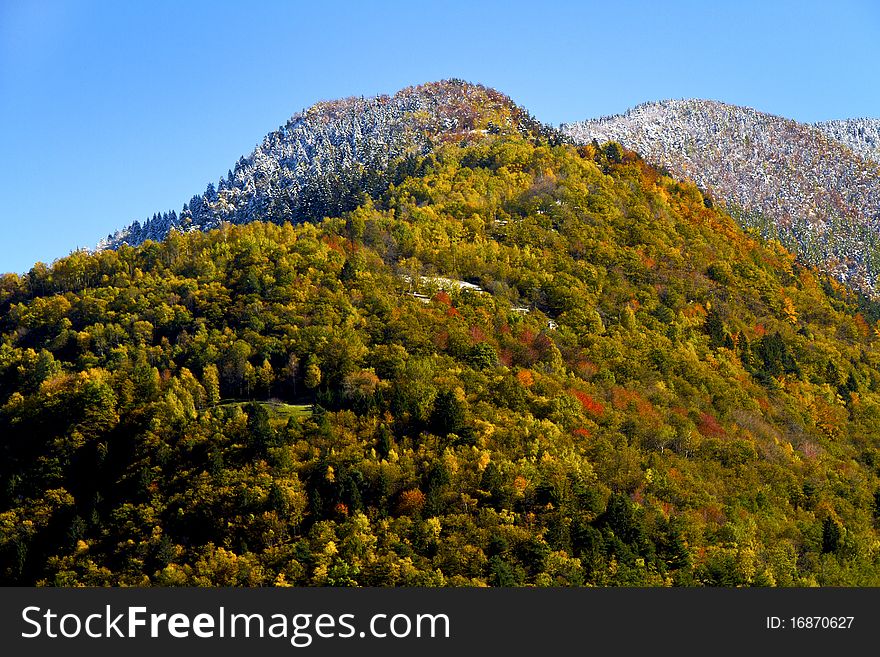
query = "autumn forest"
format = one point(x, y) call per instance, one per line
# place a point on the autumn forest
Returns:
point(519, 362)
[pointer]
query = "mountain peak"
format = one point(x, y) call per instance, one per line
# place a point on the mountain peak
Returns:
point(326, 157)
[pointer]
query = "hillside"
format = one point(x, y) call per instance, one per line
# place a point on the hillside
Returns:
point(789, 180)
point(326, 158)
point(861, 135)
point(631, 391)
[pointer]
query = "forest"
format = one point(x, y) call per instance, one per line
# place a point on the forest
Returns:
point(632, 391)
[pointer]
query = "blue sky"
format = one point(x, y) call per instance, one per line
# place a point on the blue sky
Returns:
point(111, 111)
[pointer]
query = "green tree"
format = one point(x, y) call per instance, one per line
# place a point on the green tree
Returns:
point(312, 373)
point(211, 382)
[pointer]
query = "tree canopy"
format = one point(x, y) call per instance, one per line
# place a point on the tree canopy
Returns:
point(518, 364)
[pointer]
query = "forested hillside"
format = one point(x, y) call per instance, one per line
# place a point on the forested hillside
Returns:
point(326, 158)
point(638, 393)
point(816, 188)
point(861, 135)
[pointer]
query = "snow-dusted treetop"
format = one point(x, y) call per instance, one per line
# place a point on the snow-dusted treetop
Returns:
point(861, 135)
point(815, 187)
point(323, 158)
point(803, 184)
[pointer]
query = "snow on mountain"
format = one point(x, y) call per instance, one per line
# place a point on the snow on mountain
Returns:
point(805, 185)
point(814, 187)
point(324, 158)
point(861, 135)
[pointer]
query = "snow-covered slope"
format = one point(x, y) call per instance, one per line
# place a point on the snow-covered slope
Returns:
point(861, 135)
point(790, 180)
point(815, 187)
point(323, 159)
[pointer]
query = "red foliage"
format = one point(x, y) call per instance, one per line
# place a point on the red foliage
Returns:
point(712, 513)
point(590, 405)
point(624, 399)
point(586, 369)
point(581, 433)
point(638, 495)
point(442, 297)
point(527, 337)
point(411, 502)
point(333, 242)
point(695, 310)
point(709, 426)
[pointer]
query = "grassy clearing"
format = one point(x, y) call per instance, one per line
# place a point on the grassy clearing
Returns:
point(279, 412)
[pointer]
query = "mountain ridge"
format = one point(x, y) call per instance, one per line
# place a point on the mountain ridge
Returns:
point(815, 187)
point(320, 161)
point(791, 181)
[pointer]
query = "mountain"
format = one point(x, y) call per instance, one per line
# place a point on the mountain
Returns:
point(808, 186)
point(324, 159)
point(522, 363)
point(861, 135)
